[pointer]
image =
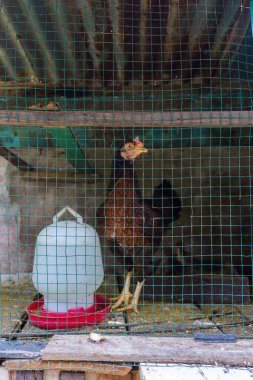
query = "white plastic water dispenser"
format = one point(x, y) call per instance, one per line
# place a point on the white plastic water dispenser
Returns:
point(68, 266)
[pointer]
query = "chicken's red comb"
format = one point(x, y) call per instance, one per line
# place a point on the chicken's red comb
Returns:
point(137, 140)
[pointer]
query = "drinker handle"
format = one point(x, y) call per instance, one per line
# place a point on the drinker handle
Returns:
point(72, 212)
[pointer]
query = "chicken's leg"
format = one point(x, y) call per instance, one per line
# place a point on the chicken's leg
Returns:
point(125, 296)
point(135, 298)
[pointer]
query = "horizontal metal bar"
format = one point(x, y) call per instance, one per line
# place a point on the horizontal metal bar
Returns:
point(99, 119)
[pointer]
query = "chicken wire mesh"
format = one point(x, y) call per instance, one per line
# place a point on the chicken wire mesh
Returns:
point(85, 88)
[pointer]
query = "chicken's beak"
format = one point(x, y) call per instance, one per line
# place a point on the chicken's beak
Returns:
point(141, 150)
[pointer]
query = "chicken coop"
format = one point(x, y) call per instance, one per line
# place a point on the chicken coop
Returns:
point(126, 200)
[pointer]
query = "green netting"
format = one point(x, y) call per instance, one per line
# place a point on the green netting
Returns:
point(77, 81)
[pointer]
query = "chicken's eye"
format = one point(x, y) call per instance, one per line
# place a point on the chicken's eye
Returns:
point(129, 147)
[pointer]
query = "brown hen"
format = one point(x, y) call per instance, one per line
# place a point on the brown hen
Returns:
point(134, 225)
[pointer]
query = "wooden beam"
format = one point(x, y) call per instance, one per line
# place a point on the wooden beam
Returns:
point(35, 365)
point(99, 119)
point(148, 349)
point(24, 375)
point(15, 160)
point(4, 374)
point(14, 349)
point(57, 176)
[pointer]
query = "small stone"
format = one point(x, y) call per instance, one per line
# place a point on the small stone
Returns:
point(96, 338)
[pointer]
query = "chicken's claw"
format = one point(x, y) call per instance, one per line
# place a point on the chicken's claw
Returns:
point(135, 298)
point(126, 295)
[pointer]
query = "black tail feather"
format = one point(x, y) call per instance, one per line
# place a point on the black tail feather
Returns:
point(167, 200)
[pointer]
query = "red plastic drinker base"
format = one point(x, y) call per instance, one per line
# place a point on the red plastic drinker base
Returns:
point(74, 318)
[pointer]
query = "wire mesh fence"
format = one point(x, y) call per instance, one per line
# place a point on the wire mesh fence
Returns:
point(137, 116)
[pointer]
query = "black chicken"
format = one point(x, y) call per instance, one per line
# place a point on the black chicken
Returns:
point(135, 225)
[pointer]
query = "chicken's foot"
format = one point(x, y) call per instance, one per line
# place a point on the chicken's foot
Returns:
point(135, 298)
point(125, 296)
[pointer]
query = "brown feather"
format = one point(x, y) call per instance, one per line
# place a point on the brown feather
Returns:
point(122, 218)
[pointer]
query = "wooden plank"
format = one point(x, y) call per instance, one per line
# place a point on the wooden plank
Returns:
point(71, 376)
point(20, 349)
point(125, 119)
point(183, 372)
point(147, 349)
point(57, 176)
point(113, 377)
point(4, 374)
point(135, 375)
point(51, 375)
point(33, 375)
point(28, 365)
